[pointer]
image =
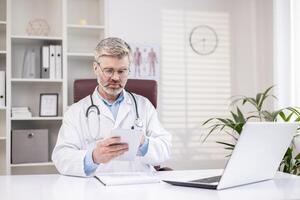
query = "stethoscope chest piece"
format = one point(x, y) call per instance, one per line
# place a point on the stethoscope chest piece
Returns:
point(138, 122)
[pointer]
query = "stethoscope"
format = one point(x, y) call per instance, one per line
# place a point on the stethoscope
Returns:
point(137, 122)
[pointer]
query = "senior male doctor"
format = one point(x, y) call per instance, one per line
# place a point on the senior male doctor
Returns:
point(84, 148)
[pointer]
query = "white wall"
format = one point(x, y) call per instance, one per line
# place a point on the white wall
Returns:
point(252, 49)
point(295, 5)
point(139, 21)
point(282, 52)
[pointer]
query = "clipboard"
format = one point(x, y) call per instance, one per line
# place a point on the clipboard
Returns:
point(130, 137)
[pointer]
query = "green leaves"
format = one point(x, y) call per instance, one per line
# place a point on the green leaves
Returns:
point(289, 164)
point(233, 124)
point(257, 102)
point(289, 113)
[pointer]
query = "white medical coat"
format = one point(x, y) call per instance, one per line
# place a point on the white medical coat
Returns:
point(74, 138)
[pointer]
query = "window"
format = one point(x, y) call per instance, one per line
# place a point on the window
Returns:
point(295, 46)
point(194, 87)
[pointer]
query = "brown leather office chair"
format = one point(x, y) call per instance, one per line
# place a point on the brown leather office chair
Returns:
point(146, 88)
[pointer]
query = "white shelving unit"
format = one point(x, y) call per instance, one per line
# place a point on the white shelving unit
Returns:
point(37, 118)
point(77, 32)
point(3, 108)
point(25, 37)
point(88, 27)
point(87, 55)
point(33, 164)
point(37, 80)
point(97, 27)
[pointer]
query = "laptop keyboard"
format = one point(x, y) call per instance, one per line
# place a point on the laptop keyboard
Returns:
point(208, 180)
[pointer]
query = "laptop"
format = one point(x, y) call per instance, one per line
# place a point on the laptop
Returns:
point(256, 156)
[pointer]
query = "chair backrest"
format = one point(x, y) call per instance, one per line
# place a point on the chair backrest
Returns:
point(146, 88)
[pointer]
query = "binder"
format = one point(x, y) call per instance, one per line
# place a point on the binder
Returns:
point(28, 70)
point(2, 88)
point(52, 61)
point(58, 60)
point(45, 62)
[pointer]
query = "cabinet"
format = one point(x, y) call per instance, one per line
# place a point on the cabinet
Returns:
point(76, 25)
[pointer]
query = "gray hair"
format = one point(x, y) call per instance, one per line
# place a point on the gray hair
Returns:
point(114, 47)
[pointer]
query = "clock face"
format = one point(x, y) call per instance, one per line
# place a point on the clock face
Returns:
point(203, 40)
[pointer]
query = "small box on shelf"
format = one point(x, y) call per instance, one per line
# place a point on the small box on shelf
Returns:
point(29, 146)
point(52, 127)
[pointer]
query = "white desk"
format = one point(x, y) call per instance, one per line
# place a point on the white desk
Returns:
point(40, 187)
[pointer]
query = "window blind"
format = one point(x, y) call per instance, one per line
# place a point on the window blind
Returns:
point(194, 87)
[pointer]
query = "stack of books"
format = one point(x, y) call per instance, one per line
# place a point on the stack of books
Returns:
point(20, 112)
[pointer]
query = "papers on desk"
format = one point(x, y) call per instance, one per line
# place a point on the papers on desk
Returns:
point(126, 178)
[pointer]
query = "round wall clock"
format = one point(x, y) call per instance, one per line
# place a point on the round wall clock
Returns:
point(203, 40)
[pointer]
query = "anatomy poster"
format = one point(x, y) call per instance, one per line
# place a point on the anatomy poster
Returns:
point(145, 62)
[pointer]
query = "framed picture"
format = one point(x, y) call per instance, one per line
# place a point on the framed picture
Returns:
point(48, 105)
point(146, 61)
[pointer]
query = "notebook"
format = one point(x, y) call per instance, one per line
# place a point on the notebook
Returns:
point(126, 178)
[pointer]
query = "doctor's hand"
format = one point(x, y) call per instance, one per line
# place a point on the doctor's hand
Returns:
point(108, 149)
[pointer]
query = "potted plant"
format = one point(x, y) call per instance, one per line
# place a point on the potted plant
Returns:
point(233, 125)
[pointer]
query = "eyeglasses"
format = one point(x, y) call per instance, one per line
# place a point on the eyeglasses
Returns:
point(109, 72)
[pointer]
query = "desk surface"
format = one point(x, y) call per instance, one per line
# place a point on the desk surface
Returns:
point(284, 186)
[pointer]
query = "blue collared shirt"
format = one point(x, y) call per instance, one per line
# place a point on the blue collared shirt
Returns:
point(113, 107)
point(89, 165)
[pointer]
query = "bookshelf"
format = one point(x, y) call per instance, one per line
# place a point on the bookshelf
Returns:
point(3, 108)
point(77, 33)
point(83, 29)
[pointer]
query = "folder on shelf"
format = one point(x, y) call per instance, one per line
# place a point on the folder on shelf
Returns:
point(2, 88)
point(58, 60)
point(45, 62)
point(29, 64)
point(52, 61)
